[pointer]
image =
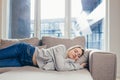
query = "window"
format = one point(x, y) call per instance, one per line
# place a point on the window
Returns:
point(52, 18)
point(87, 20)
point(58, 18)
point(19, 26)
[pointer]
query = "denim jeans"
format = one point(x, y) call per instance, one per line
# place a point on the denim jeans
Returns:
point(19, 54)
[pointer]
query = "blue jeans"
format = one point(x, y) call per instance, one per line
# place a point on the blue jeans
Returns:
point(17, 55)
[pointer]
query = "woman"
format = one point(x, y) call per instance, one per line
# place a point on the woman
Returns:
point(53, 58)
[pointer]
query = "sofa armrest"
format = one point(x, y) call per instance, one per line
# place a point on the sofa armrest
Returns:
point(102, 65)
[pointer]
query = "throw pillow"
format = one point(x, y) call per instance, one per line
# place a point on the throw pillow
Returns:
point(52, 41)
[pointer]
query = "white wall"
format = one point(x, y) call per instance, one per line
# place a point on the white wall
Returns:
point(115, 30)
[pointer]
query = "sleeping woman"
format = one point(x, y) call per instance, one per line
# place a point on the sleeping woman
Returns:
point(54, 58)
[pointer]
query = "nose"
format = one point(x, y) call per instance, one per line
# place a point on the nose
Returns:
point(77, 54)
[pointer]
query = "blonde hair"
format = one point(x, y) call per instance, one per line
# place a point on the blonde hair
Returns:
point(76, 46)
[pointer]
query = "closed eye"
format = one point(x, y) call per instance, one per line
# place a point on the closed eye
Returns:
point(75, 50)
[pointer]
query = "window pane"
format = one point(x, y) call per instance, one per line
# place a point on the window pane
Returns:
point(87, 20)
point(20, 19)
point(52, 18)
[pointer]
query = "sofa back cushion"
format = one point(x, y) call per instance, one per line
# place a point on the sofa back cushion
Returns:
point(33, 41)
point(52, 41)
point(7, 42)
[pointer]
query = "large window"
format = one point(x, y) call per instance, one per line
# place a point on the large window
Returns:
point(58, 18)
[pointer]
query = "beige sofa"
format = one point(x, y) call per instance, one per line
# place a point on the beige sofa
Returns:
point(101, 64)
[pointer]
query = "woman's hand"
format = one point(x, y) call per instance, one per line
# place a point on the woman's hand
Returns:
point(83, 65)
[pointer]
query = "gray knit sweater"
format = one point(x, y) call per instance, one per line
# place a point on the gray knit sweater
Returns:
point(54, 58)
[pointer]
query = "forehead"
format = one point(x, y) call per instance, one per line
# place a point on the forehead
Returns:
point(79, 49)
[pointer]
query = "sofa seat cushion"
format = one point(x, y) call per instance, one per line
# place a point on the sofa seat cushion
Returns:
point(30, 73)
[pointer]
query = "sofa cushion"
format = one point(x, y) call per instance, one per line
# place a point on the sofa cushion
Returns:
point(30, 73)
point(52, 41)
point(6, 42)
point(33, 41)
point(7, 69)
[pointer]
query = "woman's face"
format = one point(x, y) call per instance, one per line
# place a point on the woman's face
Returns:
point(74, 53)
